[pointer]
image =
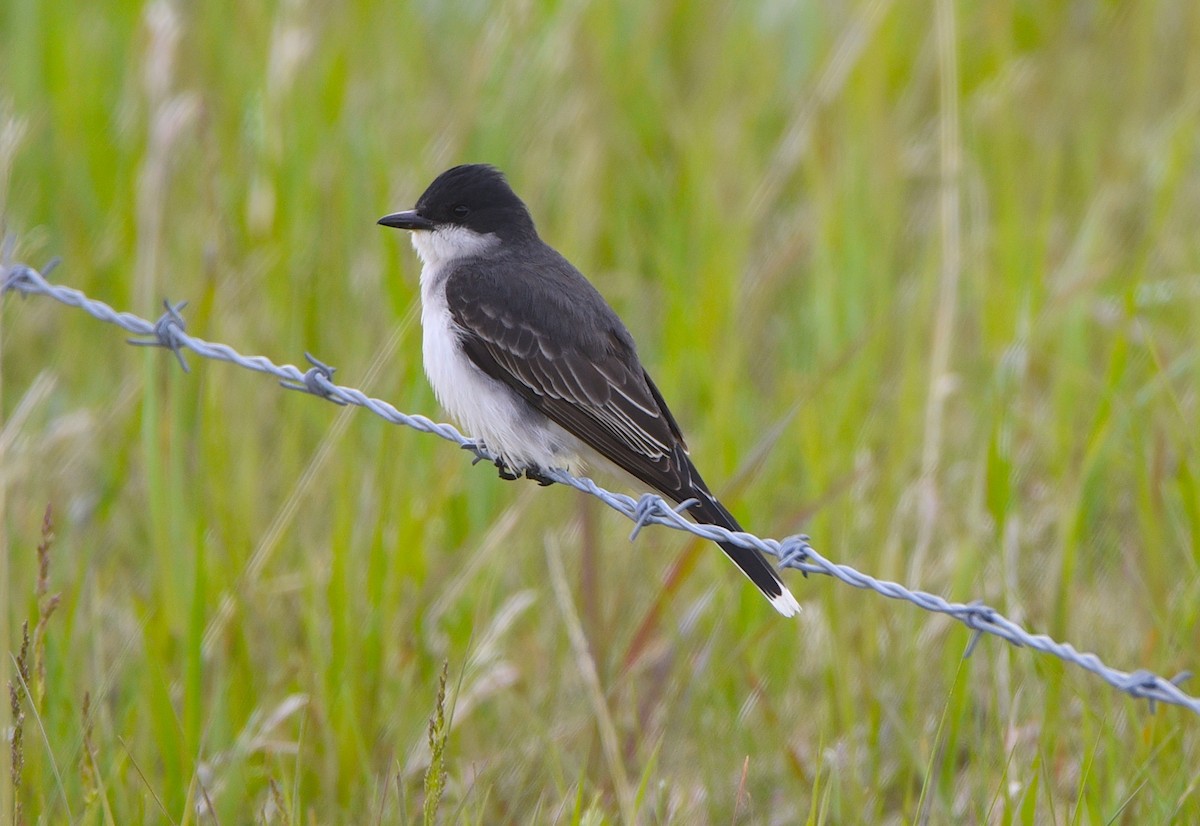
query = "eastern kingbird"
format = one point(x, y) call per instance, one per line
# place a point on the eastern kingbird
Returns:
point(531, 360)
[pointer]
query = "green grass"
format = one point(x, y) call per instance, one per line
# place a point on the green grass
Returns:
point(258, 590)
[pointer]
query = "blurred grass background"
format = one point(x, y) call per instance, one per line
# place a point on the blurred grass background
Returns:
point(920, 279)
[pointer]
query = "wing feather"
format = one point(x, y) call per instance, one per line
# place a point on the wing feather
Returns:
point(575, 362)
point(585, 378)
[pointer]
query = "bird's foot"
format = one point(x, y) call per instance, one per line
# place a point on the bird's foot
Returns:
point(539, 477)
point(480, 450)
point(507, 473)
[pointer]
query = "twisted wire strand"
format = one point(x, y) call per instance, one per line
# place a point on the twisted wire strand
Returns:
point(169, 332)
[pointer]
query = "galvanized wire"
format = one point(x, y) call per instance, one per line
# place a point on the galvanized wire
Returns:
point(169, 332)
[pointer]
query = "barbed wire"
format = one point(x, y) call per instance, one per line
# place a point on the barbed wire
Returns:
point(169, 332)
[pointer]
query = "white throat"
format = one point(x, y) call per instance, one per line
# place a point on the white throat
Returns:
point(449, 244)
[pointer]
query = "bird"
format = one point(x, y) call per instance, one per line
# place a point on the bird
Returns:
point(524, 352)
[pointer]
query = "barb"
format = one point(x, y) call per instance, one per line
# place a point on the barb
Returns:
point(168, 333)
point(649, 509)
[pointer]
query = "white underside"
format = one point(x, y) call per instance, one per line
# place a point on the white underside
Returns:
point(486, 409)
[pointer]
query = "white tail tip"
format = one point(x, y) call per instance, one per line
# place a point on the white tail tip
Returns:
point(786, 604)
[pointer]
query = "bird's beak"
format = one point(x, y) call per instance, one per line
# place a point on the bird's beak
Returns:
point(409, 219)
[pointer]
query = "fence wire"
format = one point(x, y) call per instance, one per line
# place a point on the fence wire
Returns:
point(169, 332)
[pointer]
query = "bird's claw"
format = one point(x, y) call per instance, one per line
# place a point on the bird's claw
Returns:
point(539, 477)
point(506, 472)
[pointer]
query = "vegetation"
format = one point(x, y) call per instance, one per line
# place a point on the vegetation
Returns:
point(918, 279)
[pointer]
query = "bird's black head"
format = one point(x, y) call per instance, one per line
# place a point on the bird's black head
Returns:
point(475, 197)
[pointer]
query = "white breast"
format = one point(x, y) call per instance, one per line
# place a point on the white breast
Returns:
point(485, 408)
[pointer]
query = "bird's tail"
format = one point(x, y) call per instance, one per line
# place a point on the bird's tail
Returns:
point(753, 564)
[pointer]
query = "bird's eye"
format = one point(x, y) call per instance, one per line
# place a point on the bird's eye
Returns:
point(460, 210)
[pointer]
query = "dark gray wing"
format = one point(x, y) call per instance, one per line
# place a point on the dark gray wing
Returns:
point(537, 325)
point(555, 341)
